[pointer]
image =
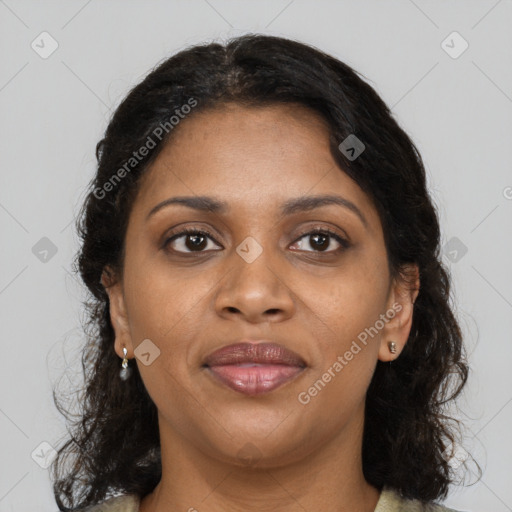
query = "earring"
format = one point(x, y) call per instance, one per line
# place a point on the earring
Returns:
point(392, 347)
point(126, 371)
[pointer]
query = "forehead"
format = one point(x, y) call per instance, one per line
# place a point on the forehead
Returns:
point(251, 157)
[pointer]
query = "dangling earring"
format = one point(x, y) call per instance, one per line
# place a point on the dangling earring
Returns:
point(126, 371)
point(392, 347)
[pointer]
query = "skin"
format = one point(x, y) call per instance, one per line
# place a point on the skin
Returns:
point(314, 302)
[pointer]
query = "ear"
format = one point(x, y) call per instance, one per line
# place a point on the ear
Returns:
point(403, 292)
point(118, 315)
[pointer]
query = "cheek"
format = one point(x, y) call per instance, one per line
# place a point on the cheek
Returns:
point(160, 299)
point(346, 301)
point(167, 306)
point(345, 355)
point(164, 309)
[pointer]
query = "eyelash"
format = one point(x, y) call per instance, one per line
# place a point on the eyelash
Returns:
point(317, 230)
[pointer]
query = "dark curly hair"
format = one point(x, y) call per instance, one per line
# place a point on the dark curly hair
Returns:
point(114, 444)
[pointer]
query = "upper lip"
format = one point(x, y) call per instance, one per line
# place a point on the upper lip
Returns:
point(262, 352)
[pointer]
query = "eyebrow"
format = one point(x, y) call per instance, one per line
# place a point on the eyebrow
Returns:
point(299, 204)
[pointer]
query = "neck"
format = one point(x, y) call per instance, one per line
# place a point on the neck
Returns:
point(329, 478)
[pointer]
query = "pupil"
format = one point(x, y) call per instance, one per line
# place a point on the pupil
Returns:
point(323, 245)
point(196, 244)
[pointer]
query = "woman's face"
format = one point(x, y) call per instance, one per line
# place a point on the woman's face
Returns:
point(261, 275)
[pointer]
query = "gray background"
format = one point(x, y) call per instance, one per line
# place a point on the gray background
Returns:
point(457, 109)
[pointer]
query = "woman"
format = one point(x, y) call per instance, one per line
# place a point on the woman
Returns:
point(271, 327)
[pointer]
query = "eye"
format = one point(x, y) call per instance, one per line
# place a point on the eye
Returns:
point(190, 240)
point(319, 239)
point(196, 240)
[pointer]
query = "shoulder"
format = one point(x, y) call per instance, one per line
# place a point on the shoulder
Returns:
point(126, 503)
point(392, 501)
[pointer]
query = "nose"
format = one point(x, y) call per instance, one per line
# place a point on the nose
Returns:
point(256, 291)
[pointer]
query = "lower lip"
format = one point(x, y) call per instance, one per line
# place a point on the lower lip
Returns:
point(254, 379)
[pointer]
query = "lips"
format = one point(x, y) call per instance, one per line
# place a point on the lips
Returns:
point(254, 368)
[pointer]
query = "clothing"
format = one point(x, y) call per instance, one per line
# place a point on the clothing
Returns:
point(389, 501)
